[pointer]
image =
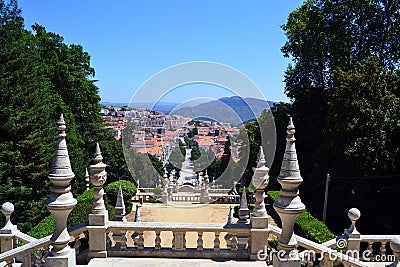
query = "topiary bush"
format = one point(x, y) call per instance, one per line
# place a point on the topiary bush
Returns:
point(128, 190)
point(307, 225)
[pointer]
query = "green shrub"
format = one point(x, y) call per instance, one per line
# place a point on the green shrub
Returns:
point(273, 243)
point(44, 228)
point(249, 192)
point(311, 228)
point(78, 215)
point(273, 195)
point(307, 225)
point(157, 192)
point(128, 190)
point(128, 207)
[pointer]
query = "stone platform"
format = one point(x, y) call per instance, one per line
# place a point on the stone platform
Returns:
point(167, 262)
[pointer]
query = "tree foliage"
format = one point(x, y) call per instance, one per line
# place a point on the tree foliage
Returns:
point(344, 89)
point(40, 78)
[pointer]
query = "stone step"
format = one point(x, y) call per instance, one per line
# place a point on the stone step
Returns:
point(170, 262)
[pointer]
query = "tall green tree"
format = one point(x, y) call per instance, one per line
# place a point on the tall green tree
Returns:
point(40, 78)
point(330, 44)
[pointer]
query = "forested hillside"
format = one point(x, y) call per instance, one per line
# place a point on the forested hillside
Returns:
point(40, 78)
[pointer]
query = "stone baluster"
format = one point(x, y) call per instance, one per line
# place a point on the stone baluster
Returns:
point(178, 241)
point(123, 239)
point(234, 242)
point(395, 246)
point(61, 202)
point(352, 234)
point(87, 179)
point(326, 261)
point(140, 240)
point(382, 249)
point(157, 241)
point(288, 205)
point(370, 247)
point(200, 240)
point(259, 217)
point(98, 216)
point(243, 209)
point(217, 242)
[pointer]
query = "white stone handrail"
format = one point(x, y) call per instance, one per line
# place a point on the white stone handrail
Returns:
point(174, 226)
point(237, 238)
point(24, 237)
point(376, 238)
point(322, 249)
point(27, 248)
point(330, 243)
point(38, 243)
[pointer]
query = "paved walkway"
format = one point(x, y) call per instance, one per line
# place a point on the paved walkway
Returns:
point(166, 262)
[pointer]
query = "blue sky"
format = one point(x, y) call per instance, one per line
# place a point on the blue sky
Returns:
point(129, 41)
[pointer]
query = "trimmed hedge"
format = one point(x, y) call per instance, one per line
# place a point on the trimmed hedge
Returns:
point(307, 225)
point(128, 190)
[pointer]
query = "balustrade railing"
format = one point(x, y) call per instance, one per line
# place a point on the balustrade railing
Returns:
point(35, 251)
point(156, 239)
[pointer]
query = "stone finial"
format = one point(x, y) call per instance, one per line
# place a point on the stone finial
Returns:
point(7, 209)
point(98, 176)
point(395, 246)
point(164, 194)
point(86, 179)
point(230, 216)
point(354, 214)
point(137, 214)
point(289, 205)
point(260, 181)
point(61, 201)
point(204, 196)
point(120, 206)
point(244, 209)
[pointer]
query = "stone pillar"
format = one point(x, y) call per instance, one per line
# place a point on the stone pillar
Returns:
point(164, 194)
point(98, 216)
point(230, 216)
point(205, 197)
point(395, 246)
point(288, 205)
point(244, 209)
point(61, 202)
point(87, 179)
point(352, 234)
point(259, 217)
point(7, 233)
point(120, 206)
point(137, 214)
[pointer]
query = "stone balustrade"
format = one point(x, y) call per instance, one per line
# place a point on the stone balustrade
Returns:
point(134, 244)
point(35, 251)
point(100, 238)
point(328, 256)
